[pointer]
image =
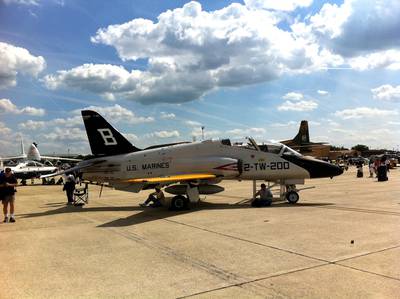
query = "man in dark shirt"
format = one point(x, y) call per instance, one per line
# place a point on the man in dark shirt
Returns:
point(69, 188)
point(8, 182)
point(156, 197)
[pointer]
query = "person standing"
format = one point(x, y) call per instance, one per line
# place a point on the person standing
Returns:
point(69, 188)
point(8, 182)
point(371, 168)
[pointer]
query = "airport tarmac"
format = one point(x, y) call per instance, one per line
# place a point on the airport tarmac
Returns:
point(221, 248)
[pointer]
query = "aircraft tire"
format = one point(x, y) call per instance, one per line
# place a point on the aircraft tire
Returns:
point(292, 197)
point(179, 203)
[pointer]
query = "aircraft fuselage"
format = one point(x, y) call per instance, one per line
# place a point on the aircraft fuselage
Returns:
point(210, 156)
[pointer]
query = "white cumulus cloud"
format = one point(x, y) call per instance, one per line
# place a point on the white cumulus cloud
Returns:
point(6, 106)
point(322, 92)
point(191, 52)
point(197, 133)
point(131, 137)
point(165, 115)
point(117, 113)
point(284, 5)
point(246, 132)
point(193, 123)
point(4, 129)
point(356, 27)
point(15, 60)
point(22, 2)
point(364, 112)
point(302, 105)
point(389, 59)
point(71, 135)
point(112, 114)
point(165, 134)
point(387, 92)
point(293, 96)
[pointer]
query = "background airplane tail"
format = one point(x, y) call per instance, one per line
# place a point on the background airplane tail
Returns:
point(104, 140)
point(22, 147)
point(303, 136)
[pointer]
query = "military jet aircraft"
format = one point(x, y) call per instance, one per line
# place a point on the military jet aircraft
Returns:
point(301, 142)
point(190, 169)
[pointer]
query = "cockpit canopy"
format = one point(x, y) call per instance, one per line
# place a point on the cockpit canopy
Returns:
point(34, 164)
point(270, 147)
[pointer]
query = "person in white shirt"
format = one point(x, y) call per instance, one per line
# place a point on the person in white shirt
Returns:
point(265, 197)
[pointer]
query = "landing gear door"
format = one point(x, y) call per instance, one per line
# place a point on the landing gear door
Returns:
point(193, 193)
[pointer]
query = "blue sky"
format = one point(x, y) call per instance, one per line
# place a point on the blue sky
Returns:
point(159, 70)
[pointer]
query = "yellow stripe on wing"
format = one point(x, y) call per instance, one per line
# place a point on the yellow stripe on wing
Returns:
point(173, 178)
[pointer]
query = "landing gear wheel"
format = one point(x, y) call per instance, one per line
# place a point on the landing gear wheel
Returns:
point(292, 197)
point(179, 203)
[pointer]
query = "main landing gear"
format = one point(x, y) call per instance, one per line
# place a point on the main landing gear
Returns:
point(179, 203)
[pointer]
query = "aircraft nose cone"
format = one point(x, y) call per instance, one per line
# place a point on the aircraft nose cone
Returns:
point(322, 169)
point(317, 168)
point(333, 170)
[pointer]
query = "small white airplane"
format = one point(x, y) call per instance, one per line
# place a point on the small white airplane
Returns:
point(34, 155)
point(190, 169)
point(31, 169)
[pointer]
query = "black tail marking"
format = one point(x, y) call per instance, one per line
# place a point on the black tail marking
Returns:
point(104, 140)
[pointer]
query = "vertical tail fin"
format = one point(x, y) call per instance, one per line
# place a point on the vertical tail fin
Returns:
point(104, 140)
point(33, 152)
point(22, 147)
point(303, 136)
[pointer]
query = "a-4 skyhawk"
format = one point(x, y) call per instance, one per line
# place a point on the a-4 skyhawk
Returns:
point(190, 169)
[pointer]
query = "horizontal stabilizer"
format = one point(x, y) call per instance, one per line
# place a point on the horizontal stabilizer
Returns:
point(76, 168)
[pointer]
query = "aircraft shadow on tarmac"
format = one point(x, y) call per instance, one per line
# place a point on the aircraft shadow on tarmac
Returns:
point(151, 214)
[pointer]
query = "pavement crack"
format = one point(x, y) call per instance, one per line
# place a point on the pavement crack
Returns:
point(370, 211)
point(240, 284)
point(366, 271)
point(365, 254)
point(249, 241)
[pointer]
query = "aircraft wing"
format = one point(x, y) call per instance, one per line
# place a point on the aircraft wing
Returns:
point(13, 158)
point(60, 158)
point(319, 144)
point(173, 178)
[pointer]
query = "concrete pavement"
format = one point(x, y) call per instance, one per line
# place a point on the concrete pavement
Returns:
point(219, 249)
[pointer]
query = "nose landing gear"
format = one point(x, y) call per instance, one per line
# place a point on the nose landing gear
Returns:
point(292, 197)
